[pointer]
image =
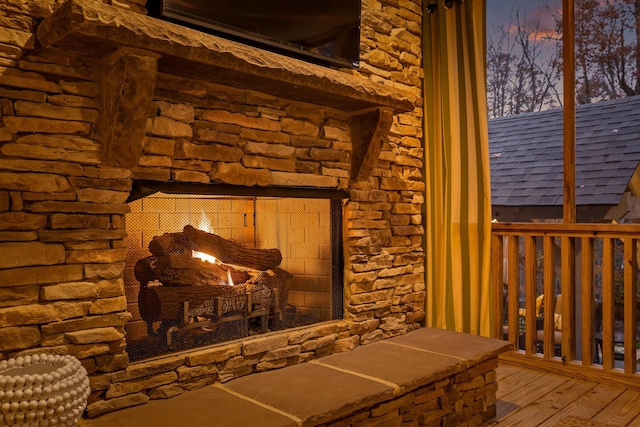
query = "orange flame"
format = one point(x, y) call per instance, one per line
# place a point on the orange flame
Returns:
point(229, 279)
point(205, 225)
point(203, 256)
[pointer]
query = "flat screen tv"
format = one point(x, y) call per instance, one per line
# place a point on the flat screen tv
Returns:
point(321, 31)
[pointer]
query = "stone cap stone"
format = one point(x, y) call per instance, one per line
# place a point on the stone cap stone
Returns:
point(94, 29)
point(325, 389)
point(331, 387)
point(208, 406)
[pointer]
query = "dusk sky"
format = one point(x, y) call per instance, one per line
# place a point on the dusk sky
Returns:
point(499, 12)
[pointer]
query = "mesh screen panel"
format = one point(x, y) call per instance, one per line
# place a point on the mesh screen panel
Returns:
point(179, 302)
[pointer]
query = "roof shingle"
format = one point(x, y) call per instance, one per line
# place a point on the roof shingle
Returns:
point(527, 150)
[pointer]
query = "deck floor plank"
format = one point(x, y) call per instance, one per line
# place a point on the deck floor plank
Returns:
point(550, 404)
point(622, 410)
point(531, 398)
point(589, 404)
point(506, 370)
point(635, 422)
point(516, 380)
point(525, 394)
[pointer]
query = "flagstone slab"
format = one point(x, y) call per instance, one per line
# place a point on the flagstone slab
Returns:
point(208, 406)
point(311, 392)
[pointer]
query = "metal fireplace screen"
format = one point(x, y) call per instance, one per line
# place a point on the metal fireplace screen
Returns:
point(206, 269)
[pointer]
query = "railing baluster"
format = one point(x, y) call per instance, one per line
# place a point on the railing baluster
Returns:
point(568, 281)
point(530, 293)
point(549, 297)
point(497, 278)
point(588, 308)
point(607, 303)
point(630, 304)
point(596, 336)
point(513, 284)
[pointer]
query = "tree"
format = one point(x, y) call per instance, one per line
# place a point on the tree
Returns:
point(522, 72)
point(589, 83)
point(622, 58)
point(607, 55)
point(524, 66)
point(500, 58)
point(539, 75)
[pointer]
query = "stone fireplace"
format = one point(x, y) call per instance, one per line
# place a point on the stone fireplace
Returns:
point(100, 103)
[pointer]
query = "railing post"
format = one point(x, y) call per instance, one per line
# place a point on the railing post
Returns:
point(569, 112)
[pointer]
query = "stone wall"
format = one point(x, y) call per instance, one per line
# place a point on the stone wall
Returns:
point(63, 210)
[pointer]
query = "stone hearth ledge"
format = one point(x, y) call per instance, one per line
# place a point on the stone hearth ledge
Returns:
point(91, 28)
point(373, 381)
point(135, 47)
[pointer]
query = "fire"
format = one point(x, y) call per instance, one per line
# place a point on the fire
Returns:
point(205, 225)
point(229, 279)
point(203, 256)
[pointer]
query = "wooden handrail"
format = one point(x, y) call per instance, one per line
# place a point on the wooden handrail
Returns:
point(559, 229)
point(528, 253)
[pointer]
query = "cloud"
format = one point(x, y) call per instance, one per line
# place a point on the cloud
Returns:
point(539, 21)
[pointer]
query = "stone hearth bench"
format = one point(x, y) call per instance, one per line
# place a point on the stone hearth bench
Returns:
point(428, 377)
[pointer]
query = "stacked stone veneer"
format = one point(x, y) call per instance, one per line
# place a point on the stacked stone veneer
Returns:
point(465, 399)
point(63, 210)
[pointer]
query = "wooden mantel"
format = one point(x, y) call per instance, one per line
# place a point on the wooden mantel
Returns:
point(131, 41)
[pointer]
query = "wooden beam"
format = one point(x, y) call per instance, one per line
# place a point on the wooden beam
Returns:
point(615, 377)
point(634, 182)
point(369, 131)
point(569, 76)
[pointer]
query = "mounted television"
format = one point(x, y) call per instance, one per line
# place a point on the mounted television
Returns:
point(321, 31)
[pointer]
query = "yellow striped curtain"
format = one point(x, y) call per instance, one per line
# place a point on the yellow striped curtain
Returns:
point(458, 196)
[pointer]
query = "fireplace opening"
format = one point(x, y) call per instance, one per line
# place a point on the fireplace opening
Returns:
point(206, 268)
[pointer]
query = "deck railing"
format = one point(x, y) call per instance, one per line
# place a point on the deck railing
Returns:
point(593, 333)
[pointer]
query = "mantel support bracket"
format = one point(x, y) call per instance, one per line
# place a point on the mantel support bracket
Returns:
point(369, 131)
point(127, 83)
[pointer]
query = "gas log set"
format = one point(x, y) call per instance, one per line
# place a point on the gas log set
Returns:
point(197, 283)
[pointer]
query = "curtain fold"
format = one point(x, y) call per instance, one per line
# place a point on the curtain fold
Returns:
point(458, 196)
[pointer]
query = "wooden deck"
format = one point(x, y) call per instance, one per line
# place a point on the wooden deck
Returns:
point(529, 397)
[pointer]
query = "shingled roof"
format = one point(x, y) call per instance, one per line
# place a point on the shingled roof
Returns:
point(526, 153)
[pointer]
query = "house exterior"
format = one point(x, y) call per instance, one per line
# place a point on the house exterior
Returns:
point(526, 156)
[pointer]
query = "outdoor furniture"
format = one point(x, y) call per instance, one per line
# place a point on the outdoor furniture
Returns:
point(557, 321)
